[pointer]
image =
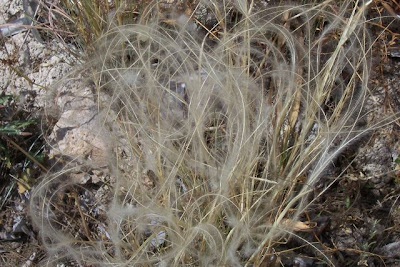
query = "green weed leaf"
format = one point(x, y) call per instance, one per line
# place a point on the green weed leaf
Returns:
point(4, 99)
point(15, 127)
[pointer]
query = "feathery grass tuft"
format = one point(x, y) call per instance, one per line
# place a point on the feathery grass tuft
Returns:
point(231, 127)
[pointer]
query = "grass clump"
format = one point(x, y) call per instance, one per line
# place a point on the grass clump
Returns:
point(225, 131)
